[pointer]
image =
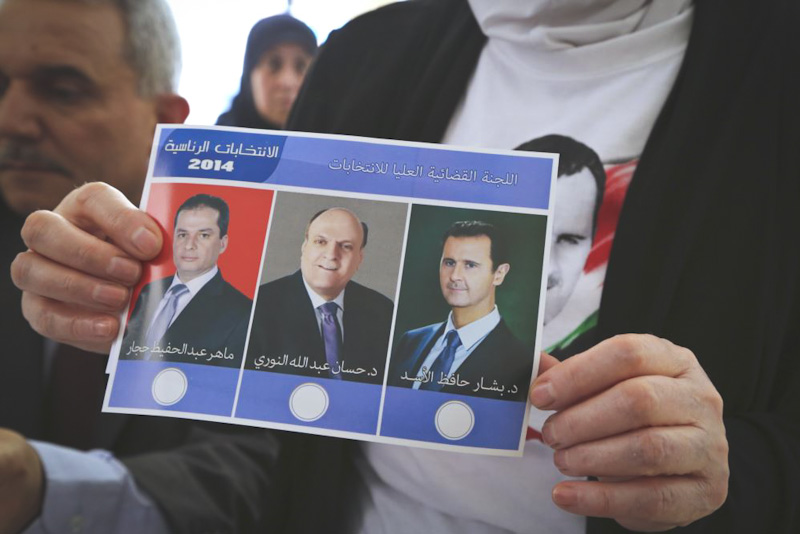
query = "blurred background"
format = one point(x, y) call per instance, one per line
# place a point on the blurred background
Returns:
point(213, 37)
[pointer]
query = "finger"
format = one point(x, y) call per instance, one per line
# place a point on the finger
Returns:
point(607, 363)
point(36, 274)
point(86, 329)
point(675, 450)
point(101, 210)
point(52, 236)
point(639, 402)
point(643, 504)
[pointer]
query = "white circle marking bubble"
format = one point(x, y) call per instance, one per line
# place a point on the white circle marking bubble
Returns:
point(454, 420)
point(308, 402)
point(169, 386)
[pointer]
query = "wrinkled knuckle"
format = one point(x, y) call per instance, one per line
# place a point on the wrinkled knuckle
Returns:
point(631, 351)
point(717, 457)
point(660, 504)
point(69, 285)
point(35, 228)
point(652, 450)
point(119, 220)
point(642, 399)
point(88, 193)
point(604, 503)
point(714, 400)
point(685, 357)
point(85, 254)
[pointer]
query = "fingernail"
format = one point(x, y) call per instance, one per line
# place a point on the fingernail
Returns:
point(103, 328)
point(549, 435)
point(110, 295)
point(145, 240)
point(123, 269)
point(542, 395)
point(565, 496)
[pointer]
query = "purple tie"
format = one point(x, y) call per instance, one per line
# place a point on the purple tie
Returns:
point(164, 317)
point(332, 336)
point(444, 362)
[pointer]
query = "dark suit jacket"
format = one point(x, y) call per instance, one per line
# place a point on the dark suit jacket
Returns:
point(499, 357)
point(285, 323)
point(215, 319)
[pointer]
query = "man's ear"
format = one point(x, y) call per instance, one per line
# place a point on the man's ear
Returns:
point(223, 243)
point(171, 108)
point(500, 273)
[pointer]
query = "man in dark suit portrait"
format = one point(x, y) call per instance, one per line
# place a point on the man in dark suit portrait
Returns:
point(473, 352)
point(194, 316)
point(318, 322)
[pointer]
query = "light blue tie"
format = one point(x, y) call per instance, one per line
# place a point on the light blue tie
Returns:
point(164, 317)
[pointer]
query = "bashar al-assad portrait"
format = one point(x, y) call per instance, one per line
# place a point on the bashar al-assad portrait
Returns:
point(318, 321)
point(195, 315)
point(470, 348)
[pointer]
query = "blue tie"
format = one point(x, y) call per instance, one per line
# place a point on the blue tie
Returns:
point(444, 362)
point(164, 317)
point(332, 337)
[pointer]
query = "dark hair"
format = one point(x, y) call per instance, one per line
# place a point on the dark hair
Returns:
point(207, 201)
point(364, 226)
point(266, 34)
point(573, 157)
point(499, 249)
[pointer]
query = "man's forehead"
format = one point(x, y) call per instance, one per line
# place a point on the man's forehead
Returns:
point(37, 34)
point(336, 224)
point(194, 217)
point(476, 248)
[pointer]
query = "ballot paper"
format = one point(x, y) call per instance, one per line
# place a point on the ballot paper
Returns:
point(360, 288)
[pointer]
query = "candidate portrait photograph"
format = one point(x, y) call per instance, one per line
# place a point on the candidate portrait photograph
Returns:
point(196, 298)
point(325, 305)
point(467, 312)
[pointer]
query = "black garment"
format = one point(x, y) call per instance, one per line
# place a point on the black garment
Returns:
point(706, 251)
point(285, 323)
point(499, 360)
point(215, 319)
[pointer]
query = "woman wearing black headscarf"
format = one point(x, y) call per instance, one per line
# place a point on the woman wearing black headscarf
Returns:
point(279, 50)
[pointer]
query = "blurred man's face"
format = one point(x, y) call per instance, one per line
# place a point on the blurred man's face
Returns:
point(197, 244)
point(332, 253)
point(572, 238)
point(276, 80)
point(70, 111)
point(466, 274)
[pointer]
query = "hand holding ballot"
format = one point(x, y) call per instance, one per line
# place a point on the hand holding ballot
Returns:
point(84, 256)
point(639, 413)
point(21, 483)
